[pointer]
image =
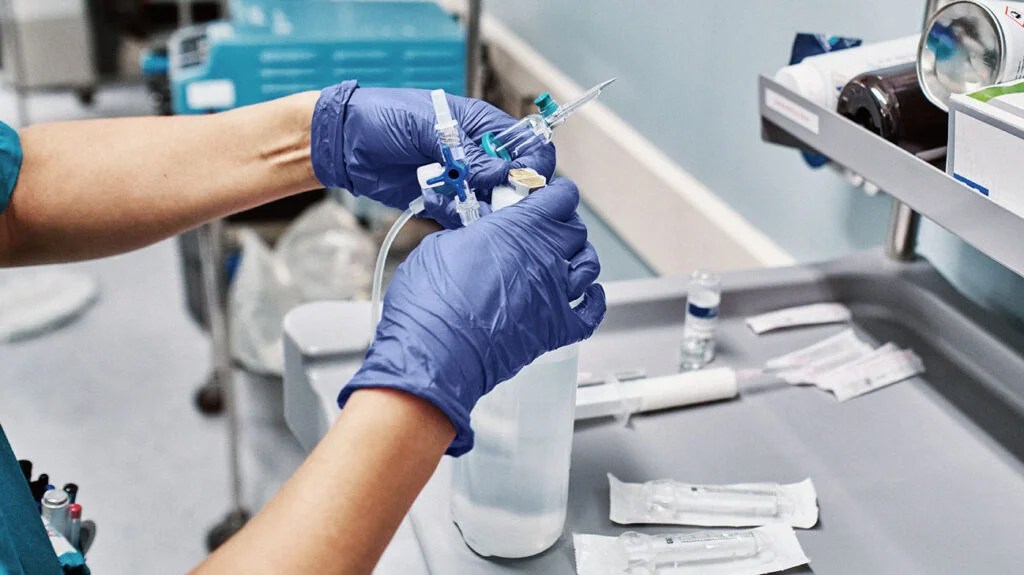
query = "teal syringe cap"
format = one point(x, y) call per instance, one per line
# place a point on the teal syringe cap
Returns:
point(546, 104)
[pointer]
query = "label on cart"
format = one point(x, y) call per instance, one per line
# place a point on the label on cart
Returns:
point(792, 111)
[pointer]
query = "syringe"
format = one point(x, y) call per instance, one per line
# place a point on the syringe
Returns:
point(536, 130)
point(762, 501)
point(451, 181)
point(646, 555)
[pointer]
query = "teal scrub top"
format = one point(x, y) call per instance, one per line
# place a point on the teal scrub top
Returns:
point(24, 546)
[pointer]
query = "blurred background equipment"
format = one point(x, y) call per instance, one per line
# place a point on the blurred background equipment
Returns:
point(80, 44)
point(48, 44)
point(273, 48)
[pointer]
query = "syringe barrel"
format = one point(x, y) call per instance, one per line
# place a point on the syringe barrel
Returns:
point(523, 138)
point(689, 549)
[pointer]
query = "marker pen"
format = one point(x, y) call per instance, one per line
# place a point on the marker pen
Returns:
point(75, 526)
point(72, 490)
point(38, 487)
point(26, 469)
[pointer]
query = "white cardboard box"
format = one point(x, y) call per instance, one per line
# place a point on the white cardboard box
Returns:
point(986, 143)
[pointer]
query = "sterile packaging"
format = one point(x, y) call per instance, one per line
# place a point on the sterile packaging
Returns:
point(623, 399)
point(846, 366)
point(817, 371)
point(767, 549)
point(986, 143)
point(670, 502)
point(841, 342)
point(883, 367)
point(814, 314)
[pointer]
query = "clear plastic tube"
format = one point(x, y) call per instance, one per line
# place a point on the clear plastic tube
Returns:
point(376, 298)
point(469, 210)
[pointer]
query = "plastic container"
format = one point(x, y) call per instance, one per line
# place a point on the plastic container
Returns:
point(970, 45)
point(510, 493)
point(890, 103)
point(821, 78)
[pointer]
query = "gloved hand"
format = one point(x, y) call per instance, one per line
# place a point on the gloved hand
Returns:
point(371, 140)
point(471, 307)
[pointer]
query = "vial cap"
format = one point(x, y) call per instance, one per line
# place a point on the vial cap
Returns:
point(75, 511)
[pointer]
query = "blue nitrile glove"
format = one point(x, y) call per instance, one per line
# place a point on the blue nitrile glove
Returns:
point(471, 307)
point(371, 140)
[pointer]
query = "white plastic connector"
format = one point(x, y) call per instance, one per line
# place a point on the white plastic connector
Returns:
point(441, 110)
point(446, 126)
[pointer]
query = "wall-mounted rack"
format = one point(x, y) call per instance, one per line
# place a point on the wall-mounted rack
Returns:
point(792, 120)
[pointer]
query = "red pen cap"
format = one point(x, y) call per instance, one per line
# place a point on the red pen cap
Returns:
point(75, 510)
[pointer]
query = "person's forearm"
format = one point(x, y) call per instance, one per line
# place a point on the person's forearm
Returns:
point(98, 187)
point(340, 510)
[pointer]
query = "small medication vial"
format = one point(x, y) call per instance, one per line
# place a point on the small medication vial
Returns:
point(702, 301)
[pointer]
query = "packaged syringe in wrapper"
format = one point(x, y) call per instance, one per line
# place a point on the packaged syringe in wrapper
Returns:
point(768, 549)
point(671, 502)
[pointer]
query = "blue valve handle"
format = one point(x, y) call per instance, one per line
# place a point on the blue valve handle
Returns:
point(453, 177)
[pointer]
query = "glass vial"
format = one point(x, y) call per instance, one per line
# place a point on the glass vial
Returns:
point(702, 300)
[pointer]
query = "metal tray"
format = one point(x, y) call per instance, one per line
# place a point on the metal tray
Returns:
point(926, 476)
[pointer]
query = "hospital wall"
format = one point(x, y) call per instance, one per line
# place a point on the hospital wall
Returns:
point(687, 80)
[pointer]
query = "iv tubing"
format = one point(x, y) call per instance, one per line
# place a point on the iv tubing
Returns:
point(378, 273)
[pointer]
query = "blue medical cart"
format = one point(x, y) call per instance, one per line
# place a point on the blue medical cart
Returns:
point(273, 48)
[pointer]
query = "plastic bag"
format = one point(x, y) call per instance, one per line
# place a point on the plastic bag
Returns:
point(324, 254)
point(328, 255)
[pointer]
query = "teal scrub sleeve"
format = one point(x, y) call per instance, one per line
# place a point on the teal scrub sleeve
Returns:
point(10, 163)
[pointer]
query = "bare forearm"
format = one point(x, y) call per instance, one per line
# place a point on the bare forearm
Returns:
point(99, 187)
point(339, 511)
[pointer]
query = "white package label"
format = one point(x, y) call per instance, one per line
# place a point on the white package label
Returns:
point(758, 551)
point(671, 502)
point(814, 314)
